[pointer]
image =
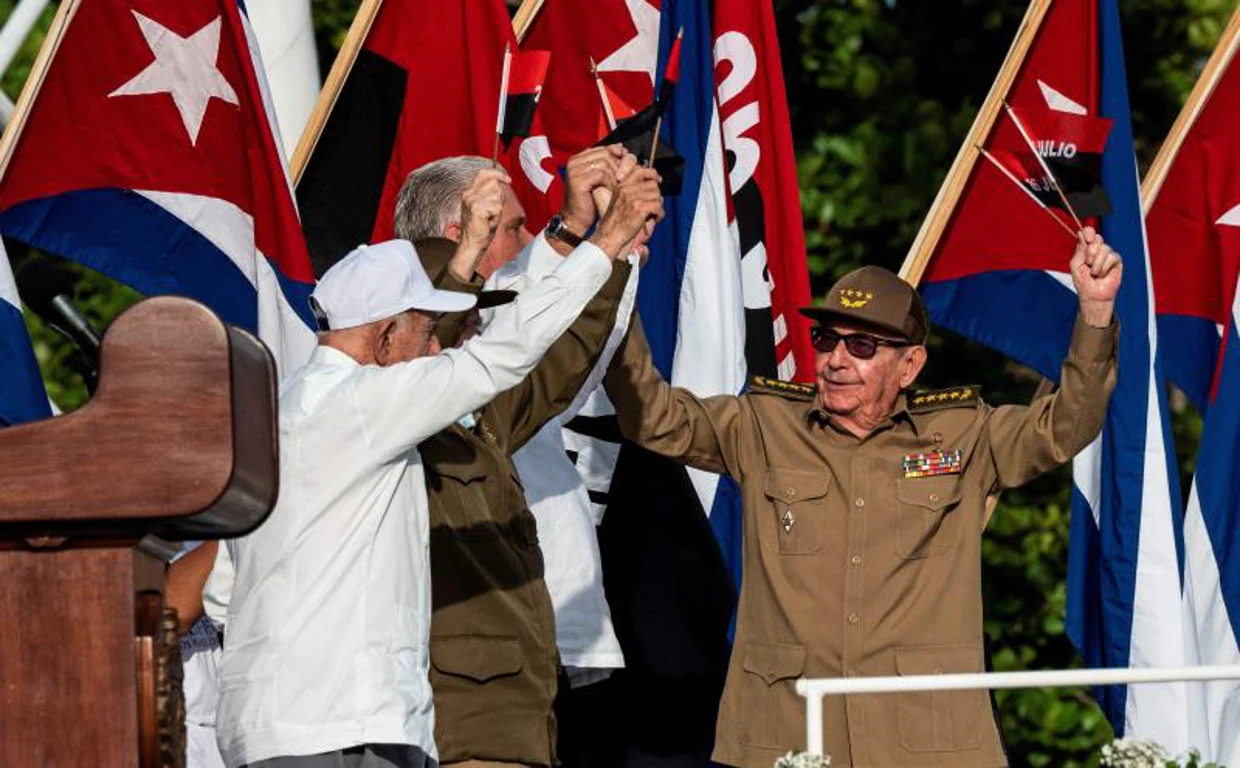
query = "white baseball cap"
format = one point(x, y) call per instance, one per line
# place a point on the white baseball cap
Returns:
point(379, 281)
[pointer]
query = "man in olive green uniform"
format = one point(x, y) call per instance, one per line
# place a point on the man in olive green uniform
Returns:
point(863, 513)
point(494, 661)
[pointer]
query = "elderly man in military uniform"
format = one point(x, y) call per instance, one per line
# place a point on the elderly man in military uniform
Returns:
point(863, 512)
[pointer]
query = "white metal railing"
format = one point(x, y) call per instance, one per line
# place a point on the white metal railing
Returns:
point(814, 690)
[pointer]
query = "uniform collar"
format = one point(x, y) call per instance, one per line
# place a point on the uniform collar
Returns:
point(816, 416)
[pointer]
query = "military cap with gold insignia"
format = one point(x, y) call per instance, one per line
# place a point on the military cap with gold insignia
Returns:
point(878, 298)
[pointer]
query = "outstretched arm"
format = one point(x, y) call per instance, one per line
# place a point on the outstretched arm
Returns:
point(706, 433)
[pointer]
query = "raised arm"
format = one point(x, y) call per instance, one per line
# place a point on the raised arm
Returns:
point(706, 433)
point(1025, 442)
point(406, 403)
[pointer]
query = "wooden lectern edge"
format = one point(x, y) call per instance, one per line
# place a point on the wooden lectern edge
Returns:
point(255, 480)
point(245, 492)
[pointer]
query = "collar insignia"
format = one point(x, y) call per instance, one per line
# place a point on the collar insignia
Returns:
point(957, 397)
point(787, 389)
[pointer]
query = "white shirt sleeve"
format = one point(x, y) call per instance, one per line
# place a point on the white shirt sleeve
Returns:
point(402, 405)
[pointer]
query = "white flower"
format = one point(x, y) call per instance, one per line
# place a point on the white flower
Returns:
point(802, 760)
point(1133, 753)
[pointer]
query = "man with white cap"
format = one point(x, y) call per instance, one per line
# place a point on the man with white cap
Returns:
point(325, 658)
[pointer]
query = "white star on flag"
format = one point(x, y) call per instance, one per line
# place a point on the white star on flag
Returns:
point(185, 68)
point(1231, 218)
point(1060, 103)
point(641, 53)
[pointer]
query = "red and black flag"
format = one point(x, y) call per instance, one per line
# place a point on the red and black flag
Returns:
point(420, 85)
point(1069, 143)
point(520, 89)
point(671, 73)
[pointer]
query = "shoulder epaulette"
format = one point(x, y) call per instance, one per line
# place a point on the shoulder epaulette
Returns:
point(787, 389)
point(956, 397)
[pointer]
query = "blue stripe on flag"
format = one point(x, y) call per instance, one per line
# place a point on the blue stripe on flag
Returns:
point(1193, 356)
point(1103, 566)
point(97, 228)
point(22, 397)
point(687, 127)
point(1218, 481)
point(980, 307)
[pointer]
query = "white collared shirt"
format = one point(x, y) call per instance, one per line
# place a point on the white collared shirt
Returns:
point(559, 499)
point(328, 620)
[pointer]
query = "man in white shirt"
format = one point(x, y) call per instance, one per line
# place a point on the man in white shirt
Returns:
point(325, 656)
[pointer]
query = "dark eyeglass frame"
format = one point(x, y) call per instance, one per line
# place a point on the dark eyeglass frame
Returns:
point(863, 346)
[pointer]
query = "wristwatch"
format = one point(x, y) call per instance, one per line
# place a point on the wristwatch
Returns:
point(557, 230)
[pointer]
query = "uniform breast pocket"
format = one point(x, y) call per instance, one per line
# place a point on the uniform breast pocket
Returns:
point(925, 525)
point(799, 505)
point(462, 501)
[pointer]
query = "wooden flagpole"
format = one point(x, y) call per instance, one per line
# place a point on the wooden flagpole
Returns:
point(524, 17)
point(1214, 69)
point(353, 42)
point(38, 73)
point(953, 186)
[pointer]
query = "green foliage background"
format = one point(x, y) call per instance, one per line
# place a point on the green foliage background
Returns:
point(882, 93)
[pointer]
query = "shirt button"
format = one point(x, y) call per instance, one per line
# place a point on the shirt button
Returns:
point(938, 437)
point(853, 618)
point(790, 491)
point(860, 503)
point(934, 497)
point(856, 560)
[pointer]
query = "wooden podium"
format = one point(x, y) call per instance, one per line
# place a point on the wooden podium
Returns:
point(179, 442)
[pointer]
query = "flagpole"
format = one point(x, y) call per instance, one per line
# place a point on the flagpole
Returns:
point(38, 73)
point(343, 64)
point(503, 102)
point(602, 94)
point(658, 123)
point(1011, 177)
point(1042, 162)
point(524, 18)
point(1214, 69)
point(944, 205)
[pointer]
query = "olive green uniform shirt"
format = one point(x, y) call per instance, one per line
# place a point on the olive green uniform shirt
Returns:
point(852, 568)
point(493, 655)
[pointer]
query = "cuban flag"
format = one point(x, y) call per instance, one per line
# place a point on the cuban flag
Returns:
point(1192, 198)
point(1212, 544)
point(999, 275)
point(149, 152)
point(690, 298)
point(22, 397)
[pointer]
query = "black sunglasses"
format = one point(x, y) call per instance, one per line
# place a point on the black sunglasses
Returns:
point(862, 346)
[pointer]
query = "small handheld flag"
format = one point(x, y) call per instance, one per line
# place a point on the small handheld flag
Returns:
point(1050, 176)
point(521, 86)
point(671, 73)
point(1023, 188)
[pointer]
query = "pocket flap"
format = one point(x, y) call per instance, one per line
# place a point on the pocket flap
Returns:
point(793, 485)
point(477, 658)
point(929, 492)
point(939, 659)
point(462, 473)
point(773, 663)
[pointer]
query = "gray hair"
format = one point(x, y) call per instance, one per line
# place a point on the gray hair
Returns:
point(430, 198)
